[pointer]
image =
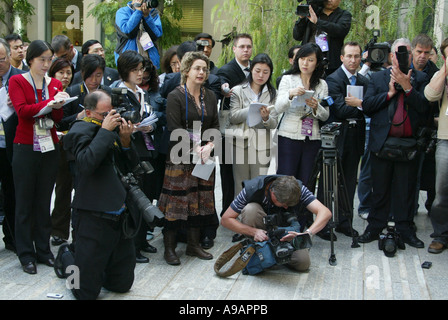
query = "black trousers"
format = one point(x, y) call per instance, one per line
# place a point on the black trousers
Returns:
point(9, 198)
point(34, 177)
point(392, 181)
point(104, 258)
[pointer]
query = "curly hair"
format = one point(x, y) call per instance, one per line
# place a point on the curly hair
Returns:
point(187, 61)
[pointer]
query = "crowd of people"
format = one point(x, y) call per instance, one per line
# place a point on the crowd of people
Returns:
point(62, 130)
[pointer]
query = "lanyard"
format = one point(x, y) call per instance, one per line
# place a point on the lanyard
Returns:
point(35, 89)
point(186, 107)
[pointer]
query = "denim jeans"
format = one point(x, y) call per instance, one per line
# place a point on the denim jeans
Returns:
point(439, 210)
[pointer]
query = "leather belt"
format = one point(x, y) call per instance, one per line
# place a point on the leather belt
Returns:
point(107, 216)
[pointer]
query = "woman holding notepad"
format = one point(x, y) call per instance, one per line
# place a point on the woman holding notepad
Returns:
point(252, 117)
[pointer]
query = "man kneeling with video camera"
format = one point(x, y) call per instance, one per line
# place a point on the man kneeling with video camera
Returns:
point(103, 255)
point(269, 195)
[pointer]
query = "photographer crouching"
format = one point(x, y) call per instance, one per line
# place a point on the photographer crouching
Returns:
point(103, 255)
point(264, 196)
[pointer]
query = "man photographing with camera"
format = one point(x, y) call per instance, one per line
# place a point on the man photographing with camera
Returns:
point(103, 255)
point(325, 24)
point(269, 195)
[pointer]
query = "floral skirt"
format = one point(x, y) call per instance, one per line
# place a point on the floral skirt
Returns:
point(186, 197)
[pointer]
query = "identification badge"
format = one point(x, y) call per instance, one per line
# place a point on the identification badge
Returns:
point(146, 41)
point(2, 130)
point(148, 142)
point(322, 42)
point(42, 140)
point(307, 127)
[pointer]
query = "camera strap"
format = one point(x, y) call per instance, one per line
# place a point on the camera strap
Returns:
point(239, 264)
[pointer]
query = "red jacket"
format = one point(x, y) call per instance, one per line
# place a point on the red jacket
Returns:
point(23, 98)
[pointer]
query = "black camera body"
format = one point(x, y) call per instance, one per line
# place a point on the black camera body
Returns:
point(402, 55)
point(303, 10)
point(150, 3)
point(282, 250)
point(378, 53)
point(120, 103)
point(391, 241)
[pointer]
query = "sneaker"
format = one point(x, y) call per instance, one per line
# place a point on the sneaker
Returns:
point(436, 247)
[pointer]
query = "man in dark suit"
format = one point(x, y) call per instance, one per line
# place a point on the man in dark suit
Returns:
point(104, 256)
point(63, 48)
point(95, 47)
point(347, 109)
point(328, 27)
point(395, 112)
point(232, 74)
point(7, 134)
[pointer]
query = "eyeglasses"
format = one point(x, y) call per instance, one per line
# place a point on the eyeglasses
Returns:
point(198, 69)
point(3, 59)
point(138, 70)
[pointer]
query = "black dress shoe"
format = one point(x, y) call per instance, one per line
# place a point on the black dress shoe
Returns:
point(367, 237)
point(207, 243)
point(47, 262)
point(139, 258)
point(29, 268)
point(149, 249)
point(413, 241)
point(345, 229)
point(58, 266)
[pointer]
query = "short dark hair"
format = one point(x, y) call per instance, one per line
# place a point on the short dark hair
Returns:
point(351, 44)
point(36, 48)
point(85, 47)
point(128, 61)
point(292, 49)
point(205, 36)
point(240, 36)
point(91, 100)
point(90, 63)
point(166, 59)
point(61, 41)
point(58, 64)
point(184, 47)
point(13, 37)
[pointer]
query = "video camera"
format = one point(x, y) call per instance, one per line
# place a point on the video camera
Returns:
point(378, 52)
point(329, 134)
point(149, 3)
point(283, 250)
point(303, 10)
point(201, 44)
point(120, 103)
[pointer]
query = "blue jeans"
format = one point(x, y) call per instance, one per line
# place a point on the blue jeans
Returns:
point(439, 210)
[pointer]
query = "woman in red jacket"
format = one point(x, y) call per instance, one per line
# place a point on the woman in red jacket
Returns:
point(38, 101)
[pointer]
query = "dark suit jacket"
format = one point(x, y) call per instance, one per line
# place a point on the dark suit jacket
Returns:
point(10, 125)
point(110, 76)
point(340, 111)
point(98, 188)
point(337, 26)
point(72, 109)
point(232, 74)
point(376, 106)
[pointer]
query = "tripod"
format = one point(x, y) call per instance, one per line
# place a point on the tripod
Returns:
point(333, 189)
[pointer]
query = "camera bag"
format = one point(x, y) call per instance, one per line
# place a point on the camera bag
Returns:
point(398, 149)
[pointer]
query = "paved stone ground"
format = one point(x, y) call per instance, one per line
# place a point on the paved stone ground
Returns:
point(362, 273)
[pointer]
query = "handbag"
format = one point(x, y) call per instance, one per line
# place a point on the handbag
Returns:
point(398, 149)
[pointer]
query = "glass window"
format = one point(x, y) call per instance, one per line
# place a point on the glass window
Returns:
point(191, 23)
point(66, 17)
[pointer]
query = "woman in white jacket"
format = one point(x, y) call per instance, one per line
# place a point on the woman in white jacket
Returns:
point(300, 92)
point(251, 145)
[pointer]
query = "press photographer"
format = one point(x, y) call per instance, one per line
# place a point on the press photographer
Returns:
point(138, 27)
point(250, 213)
point(104, 256)
point(325, 24)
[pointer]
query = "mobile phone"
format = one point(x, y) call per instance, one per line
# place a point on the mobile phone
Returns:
point(55, 295)
point(426, 264)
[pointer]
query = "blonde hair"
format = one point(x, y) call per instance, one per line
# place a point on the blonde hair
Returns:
point(187, 61)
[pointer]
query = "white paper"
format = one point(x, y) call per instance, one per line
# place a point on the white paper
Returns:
point(5, 110)
point(254, 115)
point(70, 100)
point(148, 121)
point(204, 171)
point(299, 101)
point(355, 91)
point(47, 110)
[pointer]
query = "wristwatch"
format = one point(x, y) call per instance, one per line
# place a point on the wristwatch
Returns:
point(309, 232)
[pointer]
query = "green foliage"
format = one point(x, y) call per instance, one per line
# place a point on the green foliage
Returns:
point(11, 8)
point(271, 23)
point(170, 15)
